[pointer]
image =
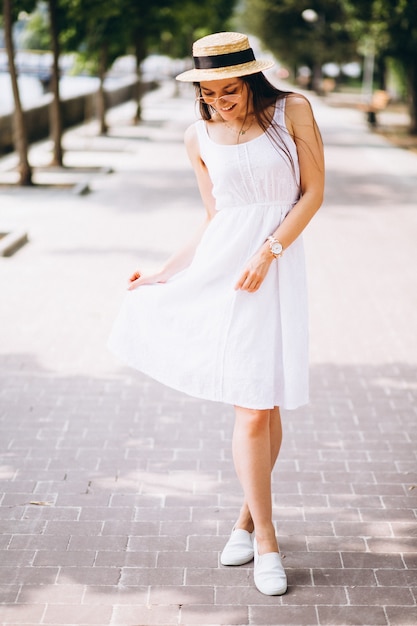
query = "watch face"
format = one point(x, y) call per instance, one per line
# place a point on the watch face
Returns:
point(276, 248)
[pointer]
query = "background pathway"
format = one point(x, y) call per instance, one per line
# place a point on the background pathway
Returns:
point(117, 494)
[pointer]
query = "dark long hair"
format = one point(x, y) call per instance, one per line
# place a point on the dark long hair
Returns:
point(264, 95)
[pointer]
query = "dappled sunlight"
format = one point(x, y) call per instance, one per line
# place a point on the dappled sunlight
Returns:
point(395, 383)
point(7, 472)
point(157, 483)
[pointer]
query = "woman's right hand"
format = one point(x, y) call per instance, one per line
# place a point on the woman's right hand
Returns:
point(137, 280)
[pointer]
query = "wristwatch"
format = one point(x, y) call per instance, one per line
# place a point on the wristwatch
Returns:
point(275, 246)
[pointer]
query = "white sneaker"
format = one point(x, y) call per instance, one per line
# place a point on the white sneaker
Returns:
point(269, 574)
point(239, 549)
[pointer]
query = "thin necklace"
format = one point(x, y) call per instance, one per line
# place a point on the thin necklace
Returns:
point(242, 130)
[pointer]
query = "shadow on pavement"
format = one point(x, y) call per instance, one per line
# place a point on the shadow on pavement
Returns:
point(117, 484)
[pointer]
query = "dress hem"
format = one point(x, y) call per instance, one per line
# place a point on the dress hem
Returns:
point(201, 395)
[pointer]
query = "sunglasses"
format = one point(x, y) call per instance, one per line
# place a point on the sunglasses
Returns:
point(233, 98)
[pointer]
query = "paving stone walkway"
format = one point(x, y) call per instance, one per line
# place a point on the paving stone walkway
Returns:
point(118, 494)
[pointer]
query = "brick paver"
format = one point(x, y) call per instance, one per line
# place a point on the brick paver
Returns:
point(117, 494)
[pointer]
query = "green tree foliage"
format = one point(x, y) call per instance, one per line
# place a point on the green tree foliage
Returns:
point(88, 27)
point(294, 40)
point(99, 31)
point(386, 28)
point(16, 7)
point(36, 35)
point(141, 26)
point(192, 19)
point(390, 27)
point(102, 30)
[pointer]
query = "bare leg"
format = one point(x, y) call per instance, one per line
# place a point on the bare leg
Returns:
point(275, 438)
point(256, 432)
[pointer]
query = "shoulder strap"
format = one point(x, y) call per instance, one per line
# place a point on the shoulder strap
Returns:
point(202, 138)
point(201, 131)
point(280, 111)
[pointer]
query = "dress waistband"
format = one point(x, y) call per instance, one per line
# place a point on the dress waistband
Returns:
point(254, 205)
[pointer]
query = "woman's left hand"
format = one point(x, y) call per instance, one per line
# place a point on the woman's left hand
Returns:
point(255, 271)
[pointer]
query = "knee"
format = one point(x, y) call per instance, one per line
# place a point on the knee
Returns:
point(254, 421)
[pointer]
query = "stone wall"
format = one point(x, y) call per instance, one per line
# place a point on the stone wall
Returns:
point(74, 111)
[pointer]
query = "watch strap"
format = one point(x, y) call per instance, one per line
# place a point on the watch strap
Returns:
point(273, 242)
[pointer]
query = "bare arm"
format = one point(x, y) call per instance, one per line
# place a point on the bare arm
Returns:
point(181, 259)
point(303, 128)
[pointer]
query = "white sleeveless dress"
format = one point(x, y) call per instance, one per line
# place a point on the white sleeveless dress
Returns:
point(198, 335)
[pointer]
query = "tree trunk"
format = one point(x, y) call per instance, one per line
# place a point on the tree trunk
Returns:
point(412, 73)
point(20, 133)
point(101, 96)
point(140, 53)
point(317, 78)
point(381, 71)
point(55, 112)
point(138, 95)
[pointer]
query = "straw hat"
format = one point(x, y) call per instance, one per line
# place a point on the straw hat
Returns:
point(223, 55)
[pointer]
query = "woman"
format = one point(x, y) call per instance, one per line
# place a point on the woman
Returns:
point(225, 319)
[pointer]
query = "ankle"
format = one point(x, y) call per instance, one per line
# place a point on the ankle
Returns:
point(266, 543)
point(245, 523)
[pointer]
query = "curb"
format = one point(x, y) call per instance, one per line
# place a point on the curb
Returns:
point(11, 242)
